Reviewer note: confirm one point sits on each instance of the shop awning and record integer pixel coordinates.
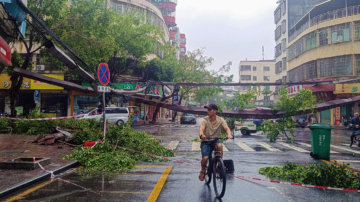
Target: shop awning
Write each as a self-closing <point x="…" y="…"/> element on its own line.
<point x="53" y="81"/>
<point x="5" y="53"/>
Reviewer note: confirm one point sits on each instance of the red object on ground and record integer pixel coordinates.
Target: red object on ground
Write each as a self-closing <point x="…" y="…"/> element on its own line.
<point x="89" y="144"/>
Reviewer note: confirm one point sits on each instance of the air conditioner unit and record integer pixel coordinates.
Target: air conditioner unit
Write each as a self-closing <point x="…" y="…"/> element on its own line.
<point x="39" y="67"/>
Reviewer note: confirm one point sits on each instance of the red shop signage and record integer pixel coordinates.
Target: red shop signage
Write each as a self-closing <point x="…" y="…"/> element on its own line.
<point x="5" y="53"/>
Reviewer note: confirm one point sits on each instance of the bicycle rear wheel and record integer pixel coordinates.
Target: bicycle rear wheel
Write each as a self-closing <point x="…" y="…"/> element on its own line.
<point x="208" y="171"/>
<point x="219" y="177"/>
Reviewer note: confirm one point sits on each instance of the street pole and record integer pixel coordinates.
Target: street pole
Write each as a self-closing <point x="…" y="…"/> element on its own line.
<point x="104" y="115"/>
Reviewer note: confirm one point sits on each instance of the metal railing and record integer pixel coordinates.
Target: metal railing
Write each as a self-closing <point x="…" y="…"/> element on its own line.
<point x="330" y="15"/>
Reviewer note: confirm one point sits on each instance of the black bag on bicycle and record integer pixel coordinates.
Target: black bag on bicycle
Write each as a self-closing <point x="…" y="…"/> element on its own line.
<point x="229" y="166"/>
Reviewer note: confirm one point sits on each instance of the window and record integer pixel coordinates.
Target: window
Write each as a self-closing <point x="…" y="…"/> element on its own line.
<point x="303" y="72"/>
<point x="283" y="7"/>
<point x="278" y="32"/>
<point x="266" y="87"/>
<point x="277" y="15"/>
<point x="117" y="7"/>
<point x="245" y="77"/>
<point x="266" y="78"/>
<point x="283" y="26"/>
<point x="323" y="37"/>
<point x="266" y="98"/>
<point x="340" y="33"/>
<point x="254" y="87"/>
<point x="266" y="68"/>
<point x="278" y="67"/>
<point x="341" y="65"/>
<point x="254" y="68"/>
<point x="254" y="78"/>
<point x="245" y="68"/>
<point x="283" y="42"/>
<point x="245" y="87"/>
<point x="357" y="30"/>
<point x="278" y="50"/>
<point x="310" y="41"/>
<point x="357" y="64"/>
<point x="284" y="63"/>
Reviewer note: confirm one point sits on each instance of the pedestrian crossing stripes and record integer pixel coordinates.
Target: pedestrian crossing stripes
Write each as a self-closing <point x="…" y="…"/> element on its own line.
<point x="293" y="147"/>
<point x="308" y="145"/>
<point x="173" y="145"/>
<point x="346" y="149"/>
<point x="244" y="146"/>
<point x="269" y="147"/>
<point x="196" y="147"/>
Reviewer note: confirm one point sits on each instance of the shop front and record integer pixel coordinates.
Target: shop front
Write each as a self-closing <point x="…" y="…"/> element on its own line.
<point x="53" y="99"/>
<point x="344" y="91"/>
<point x="23" y="100"/>
<point x="81" y="103"/>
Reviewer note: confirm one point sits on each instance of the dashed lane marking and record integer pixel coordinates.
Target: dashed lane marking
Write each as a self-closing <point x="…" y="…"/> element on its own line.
<point x="346" y="149"/>
<point x="173" y="145"/>
<point x="269" y="147"/>
<point x="195" y="146"/>
<point x="308" y="145"/>
<point x="293" y="147"/>
<point x="244" y="146"/>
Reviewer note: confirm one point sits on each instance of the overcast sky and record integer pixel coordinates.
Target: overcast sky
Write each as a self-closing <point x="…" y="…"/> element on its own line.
<point x="230" y="30"/>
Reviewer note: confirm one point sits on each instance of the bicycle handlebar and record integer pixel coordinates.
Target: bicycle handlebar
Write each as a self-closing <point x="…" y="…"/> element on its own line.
<point x="219" y="138"/>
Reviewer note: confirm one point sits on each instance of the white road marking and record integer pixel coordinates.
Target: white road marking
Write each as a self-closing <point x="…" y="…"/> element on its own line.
<point x="224" y="148"/>
<point x="308" y="145"/>
<point x="192" y="126"/>
<point x="163" y="126"/>
<point x="348" y="161"/>
<point x="196" y="146"/>
<point x="293" y="147"/>
<point x="269" y="147"/>
<point x="173" y="145"/>
<point x="244" y="146"/>
<point x="346" y="149"/>
<point x="182" y="126"/>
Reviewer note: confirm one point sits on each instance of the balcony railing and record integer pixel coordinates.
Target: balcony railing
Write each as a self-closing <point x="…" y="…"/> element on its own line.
<point x="330" y="15"/>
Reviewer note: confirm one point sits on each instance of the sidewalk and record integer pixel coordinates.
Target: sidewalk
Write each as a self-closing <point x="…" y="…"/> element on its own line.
<point x="15" y="146"/>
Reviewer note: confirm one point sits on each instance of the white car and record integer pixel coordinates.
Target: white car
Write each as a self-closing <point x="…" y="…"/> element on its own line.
<point x="115" y="115"/>
<point x="246" y="127"/>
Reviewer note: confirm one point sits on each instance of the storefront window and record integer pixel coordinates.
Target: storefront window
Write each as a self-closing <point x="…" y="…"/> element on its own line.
<point x="54" y="104"/>
<point x="83" y="104"/>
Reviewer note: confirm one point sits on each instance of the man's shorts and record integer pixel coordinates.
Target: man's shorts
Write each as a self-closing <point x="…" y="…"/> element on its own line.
<point x="206" y="147"/>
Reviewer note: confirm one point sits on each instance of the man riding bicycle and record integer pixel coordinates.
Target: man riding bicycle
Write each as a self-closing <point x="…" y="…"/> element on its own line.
<point x="355" y="123"/>
<point x="211" y="127"/>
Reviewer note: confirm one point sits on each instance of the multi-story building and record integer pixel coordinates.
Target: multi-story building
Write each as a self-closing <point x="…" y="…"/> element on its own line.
<point x="182" y="44"/>
<point x="285" y="16"/>
<point x="324" y="46"/>
<point x="261" y="71"/>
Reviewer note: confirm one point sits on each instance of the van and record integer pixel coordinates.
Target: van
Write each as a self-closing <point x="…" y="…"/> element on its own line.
<point x="115" y="115"/>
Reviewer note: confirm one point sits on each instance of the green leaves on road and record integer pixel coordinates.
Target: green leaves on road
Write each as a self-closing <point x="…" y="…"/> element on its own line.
<point x="315" y="174"/>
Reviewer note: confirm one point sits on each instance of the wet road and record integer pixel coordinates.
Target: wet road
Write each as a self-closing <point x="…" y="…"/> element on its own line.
<point x="179" y="182"/>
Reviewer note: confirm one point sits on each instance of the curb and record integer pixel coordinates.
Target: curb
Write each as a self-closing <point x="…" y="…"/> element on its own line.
<point x="36" y="179"/>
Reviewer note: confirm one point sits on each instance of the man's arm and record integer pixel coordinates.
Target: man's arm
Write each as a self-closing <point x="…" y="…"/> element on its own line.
<point x="201" y="132"/>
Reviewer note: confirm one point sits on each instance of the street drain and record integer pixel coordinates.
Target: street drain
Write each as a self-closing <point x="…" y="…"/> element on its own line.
<point x="259" y="149"/>
<point x="24" y="163"/>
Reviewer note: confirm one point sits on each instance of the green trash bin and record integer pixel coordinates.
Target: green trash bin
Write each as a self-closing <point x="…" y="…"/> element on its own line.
<point x="320" y="141"/>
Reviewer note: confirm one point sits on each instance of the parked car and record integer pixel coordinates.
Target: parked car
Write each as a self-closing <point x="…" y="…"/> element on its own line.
<point x="246" y="127"/>
<point x="188" y="118"/>
<point x="115" y="115"/>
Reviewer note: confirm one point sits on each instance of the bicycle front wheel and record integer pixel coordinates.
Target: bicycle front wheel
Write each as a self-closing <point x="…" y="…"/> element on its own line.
<point x="219" y="177"/>
<point x="208" y="171"/>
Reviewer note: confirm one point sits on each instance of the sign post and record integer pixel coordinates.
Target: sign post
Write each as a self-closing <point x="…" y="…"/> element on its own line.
<point x="103" y="74"/>
<point x="37" y="97"/>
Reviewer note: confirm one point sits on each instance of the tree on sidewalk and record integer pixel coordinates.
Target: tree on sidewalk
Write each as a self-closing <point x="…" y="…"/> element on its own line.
<point x="192" y="68"/>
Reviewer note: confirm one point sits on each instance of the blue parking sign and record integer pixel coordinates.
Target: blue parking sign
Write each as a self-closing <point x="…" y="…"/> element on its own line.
<point x="37" y="94"/>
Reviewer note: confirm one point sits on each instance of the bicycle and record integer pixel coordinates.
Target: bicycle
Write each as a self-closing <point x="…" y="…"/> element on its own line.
<point x="215" y="166"/>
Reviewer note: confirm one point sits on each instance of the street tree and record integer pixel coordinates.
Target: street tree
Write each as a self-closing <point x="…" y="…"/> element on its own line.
<point x="192" y="68"/>
<point x="303" y="100"/>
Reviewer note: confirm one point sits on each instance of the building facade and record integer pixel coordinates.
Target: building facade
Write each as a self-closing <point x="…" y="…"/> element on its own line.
<point x="323" y="46"/>
<point x="285" y="16"/>
<point x="261" y="71"/>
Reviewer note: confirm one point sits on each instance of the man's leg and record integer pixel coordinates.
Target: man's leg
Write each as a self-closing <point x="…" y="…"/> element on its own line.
<point x="220" y="149"/>
<point x="352" y="138"/>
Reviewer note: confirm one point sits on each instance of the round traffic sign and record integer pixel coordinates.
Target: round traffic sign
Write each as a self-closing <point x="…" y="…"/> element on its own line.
<point x="103" y="74"/>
